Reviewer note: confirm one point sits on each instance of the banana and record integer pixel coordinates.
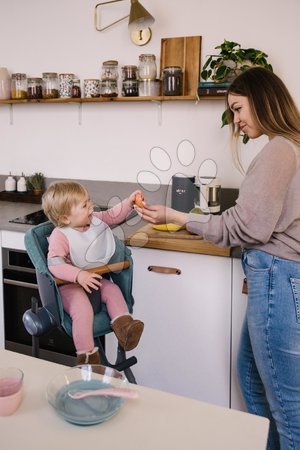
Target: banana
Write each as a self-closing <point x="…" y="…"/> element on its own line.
<point x="168" y="227"/>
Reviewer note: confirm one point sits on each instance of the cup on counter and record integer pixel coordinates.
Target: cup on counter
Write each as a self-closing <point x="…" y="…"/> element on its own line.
<point x="11" y="390"/>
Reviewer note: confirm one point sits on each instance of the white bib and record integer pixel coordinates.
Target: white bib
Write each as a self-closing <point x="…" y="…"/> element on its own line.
<point x="93" y="247"/>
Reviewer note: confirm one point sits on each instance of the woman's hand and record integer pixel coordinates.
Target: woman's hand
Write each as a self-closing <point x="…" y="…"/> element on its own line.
<point x="89" y="280"/>
<point x="161" y="214"/>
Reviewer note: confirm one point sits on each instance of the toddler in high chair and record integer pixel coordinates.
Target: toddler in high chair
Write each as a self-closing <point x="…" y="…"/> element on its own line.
<point x="82" y="239"/>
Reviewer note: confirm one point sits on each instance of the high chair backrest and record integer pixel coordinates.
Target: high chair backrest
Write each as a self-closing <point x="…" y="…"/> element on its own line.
<point x="36" y="243"/>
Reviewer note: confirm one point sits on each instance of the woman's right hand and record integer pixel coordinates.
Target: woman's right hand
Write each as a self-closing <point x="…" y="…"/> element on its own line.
<point x="89" y="280"/>
<point x="157" y="214"/>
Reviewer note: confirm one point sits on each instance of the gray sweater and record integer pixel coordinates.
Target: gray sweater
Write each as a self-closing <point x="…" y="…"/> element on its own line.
<point x="267" y="212"/>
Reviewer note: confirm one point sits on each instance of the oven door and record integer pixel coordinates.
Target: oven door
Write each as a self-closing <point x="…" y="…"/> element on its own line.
<point x="19" y="287"/>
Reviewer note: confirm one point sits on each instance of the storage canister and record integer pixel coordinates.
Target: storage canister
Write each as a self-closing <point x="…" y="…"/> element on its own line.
<point x="50" y="85"/>
<point x="18" y="86"/>
<point x="172" y="80"/>
<point x="147" y="67"/>
<point x="65" y="84"/>
<point x="91" y="88"/>
<point x="5" y="81"/>
<point x="34" y="88"/>
<point x="109" y="79"/>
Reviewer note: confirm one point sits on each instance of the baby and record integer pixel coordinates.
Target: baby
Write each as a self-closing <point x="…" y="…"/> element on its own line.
<point x="82" y="239"/>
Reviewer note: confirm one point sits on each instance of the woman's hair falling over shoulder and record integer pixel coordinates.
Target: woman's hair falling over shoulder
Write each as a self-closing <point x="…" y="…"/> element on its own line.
<point x="272" y="106"/>
<point x="59" y="198"/>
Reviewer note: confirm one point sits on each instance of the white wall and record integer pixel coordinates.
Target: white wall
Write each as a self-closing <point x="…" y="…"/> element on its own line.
<point x="114" y="140"/>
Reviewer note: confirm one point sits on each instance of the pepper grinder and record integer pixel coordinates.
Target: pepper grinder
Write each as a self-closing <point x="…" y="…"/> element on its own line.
<point x="21" y="184"/>
<point x="10" y="183"/>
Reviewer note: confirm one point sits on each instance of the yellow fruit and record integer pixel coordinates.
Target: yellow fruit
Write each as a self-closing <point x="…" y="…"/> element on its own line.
<point x="168" y="227"/>
<point x="196" y="211"/>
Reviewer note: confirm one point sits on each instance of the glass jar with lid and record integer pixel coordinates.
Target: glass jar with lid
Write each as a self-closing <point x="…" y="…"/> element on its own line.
<point x="18" y="86"/>
<point x="129" y="73"/>
<point x="65" y="84"/>
<point x="34" y="88"/>
<point x="147" y="67"/>
<point x="172" y="80"/>
<point x="109" y="79"/>
<point x="76" y="88"/>
<point x="110" y="70"/>
<point x="50" y="85"/>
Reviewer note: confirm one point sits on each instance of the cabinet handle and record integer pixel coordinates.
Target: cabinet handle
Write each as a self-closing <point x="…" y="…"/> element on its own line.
<point x="166" y="270"/>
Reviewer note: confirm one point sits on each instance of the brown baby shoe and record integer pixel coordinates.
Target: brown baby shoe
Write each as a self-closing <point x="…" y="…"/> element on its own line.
<point x="128" y="331"/>
<point x="88" y="358"/>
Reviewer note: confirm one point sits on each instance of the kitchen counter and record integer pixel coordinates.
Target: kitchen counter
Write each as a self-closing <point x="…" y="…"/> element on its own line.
<point x="181" y="241"/>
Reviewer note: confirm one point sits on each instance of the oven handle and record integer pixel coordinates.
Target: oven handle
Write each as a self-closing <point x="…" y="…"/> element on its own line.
<point x="20" y="283"/>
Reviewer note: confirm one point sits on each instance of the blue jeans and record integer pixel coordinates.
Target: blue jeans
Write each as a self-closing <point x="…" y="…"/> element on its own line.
<point x="269" y="353"/>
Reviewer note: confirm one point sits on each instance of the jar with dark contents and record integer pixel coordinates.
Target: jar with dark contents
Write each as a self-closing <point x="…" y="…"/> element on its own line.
<point x="76" y="89"/>
<point x="172" y="80"/>
<point x="34" y="88"/>
<point x="50" y="85"/>
<point x="130" y="86"/>
<point x="18" y="86"/>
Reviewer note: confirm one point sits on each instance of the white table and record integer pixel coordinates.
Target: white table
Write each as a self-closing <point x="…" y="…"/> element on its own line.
<point x="156" y="421"/>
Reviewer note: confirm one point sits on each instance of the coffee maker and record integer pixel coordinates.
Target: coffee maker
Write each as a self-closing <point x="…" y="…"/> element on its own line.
<point x="208" y="195"/>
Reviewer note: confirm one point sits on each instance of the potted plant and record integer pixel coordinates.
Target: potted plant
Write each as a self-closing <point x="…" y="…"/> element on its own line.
<point x="231" y="61"/>
<point x="36" y="182"/>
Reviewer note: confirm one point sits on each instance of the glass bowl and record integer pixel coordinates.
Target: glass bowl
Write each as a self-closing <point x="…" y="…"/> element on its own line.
<point x="90" y="410"/>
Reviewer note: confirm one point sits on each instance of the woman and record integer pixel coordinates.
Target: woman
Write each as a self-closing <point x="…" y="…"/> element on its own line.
<point x="265" y="222"/>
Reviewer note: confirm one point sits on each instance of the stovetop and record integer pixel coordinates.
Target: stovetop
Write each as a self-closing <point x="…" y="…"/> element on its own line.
<point x="31" y="219"/>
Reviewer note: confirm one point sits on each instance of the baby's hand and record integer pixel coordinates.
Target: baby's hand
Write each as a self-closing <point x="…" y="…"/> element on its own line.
<point x="137" y="199"/>
<point x="89" y="280"/>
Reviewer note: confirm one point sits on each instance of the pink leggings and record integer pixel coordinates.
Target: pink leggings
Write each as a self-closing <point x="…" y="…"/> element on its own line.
<point x="77" y="304"/>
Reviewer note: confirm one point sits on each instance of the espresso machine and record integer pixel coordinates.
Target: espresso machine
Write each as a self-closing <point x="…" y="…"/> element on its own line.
<point x="208" y="195"/>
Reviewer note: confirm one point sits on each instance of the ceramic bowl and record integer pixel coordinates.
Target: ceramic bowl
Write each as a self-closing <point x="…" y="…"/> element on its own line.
<point x="92" y="409"/>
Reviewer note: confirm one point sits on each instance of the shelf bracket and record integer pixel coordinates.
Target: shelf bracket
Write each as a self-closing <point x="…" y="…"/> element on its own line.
<point x="80" y="113"/>
<point x="11" y="114"/>
<point x="159" y="112"/>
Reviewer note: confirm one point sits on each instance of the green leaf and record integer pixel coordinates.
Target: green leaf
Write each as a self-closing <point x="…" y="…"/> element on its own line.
<point x="245" y="138"/>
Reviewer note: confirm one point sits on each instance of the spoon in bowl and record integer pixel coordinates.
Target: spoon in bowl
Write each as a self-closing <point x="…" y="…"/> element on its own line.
<point x="115" y="392"/>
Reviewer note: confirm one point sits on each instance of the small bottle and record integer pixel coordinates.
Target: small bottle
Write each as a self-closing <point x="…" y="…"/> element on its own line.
<point x="34" y="88"/>
<point x="50" y="85"/>
<point x="147" y="67"/>
<point x="18" y="86"/>
<point x="21" y="184"/>
<point x="76" y="89"/>
<point x="10" y="183"/>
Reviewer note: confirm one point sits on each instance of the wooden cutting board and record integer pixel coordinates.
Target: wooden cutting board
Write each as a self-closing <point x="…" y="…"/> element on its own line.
<point x="181" y="241"/>
<point x="184" y="52"/>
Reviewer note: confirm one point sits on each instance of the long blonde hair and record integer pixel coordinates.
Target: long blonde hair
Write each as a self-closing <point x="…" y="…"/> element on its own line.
<point x="271" y="104"/>
<point x="59" y="198"/>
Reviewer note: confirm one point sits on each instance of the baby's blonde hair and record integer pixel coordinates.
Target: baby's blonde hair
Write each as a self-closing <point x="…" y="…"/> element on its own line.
<point x="59" y="199"/>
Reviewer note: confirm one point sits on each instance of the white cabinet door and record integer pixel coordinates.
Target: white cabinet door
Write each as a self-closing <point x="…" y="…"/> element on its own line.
<point x="185" y="347"/>
<point x="239" y="304"/>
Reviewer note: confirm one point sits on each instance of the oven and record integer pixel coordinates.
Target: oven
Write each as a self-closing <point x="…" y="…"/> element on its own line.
<point x="19" y="286"/>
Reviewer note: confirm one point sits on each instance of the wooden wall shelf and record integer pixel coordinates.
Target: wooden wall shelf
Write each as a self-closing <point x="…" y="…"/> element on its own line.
<point x="111" y="99"/>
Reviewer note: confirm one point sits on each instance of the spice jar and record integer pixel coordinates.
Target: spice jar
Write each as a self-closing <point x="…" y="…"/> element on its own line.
<point x="5" y="84"/>
<point x="172" y="80"/>
<point x="34" y="88"/>
<point x="76" y="89"/>
<point x="18" y="86"/>
<point x="147" y="67"/>
<point x="50" y="85"/>
<point x="65" y="84"/>
<point x="130" y="84"/>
